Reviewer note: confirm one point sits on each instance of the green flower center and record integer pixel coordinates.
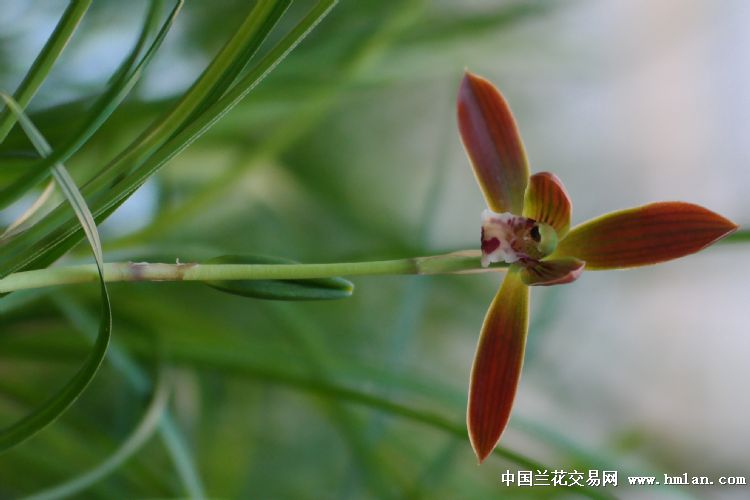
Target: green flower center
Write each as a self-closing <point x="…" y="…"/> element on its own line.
<point x="543" y="240"/>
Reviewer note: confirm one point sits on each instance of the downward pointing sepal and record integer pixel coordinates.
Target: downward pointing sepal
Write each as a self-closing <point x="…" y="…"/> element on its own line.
<point x="497" y="364"/>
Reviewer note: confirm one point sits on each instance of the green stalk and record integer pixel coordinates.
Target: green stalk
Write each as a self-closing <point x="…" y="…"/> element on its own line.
<point x="737" y="237"/>
<point x="144" y="271"/>
<point x="44" y="61"/>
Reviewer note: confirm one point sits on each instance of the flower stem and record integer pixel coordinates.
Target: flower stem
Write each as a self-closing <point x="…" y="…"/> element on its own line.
<point x="143" y="271"/>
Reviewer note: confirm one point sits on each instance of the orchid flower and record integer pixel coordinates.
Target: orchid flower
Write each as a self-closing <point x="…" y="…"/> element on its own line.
<point x="526" y="226"/>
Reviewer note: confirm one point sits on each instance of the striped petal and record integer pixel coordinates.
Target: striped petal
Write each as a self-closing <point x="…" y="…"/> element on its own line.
<point x="497" y="364"/>
<point x="547" y="201"/>
<point x="494" y="146"/>
<point x="552" y="272"/>
<point x="644" y="235"/>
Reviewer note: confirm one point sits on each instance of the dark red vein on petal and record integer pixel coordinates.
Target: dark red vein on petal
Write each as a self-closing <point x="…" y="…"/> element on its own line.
<point x="547" y="201"/>
<point x="493" y="143"/>
<point x="644" y="235"/>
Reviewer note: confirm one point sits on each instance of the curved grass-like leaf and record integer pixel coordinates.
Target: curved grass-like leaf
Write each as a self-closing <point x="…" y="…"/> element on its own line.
<point x="51" y="409"/>
<point x="493" y="143"/>
<point x="134" y="442"/>
<point x="52" y="236"/>
<point x="126" y="76"/>
<point x="552" y="272"/>
<point x="301" y="289"/>
<point x="547" y="201"/>
<point x="497" y="364"/>
<point x="27" y="216"/>
<point x="366" y="50"/>
<point x="253" y="30"/>
<point x="265" y="23"/>
<point x="139" y="380"/>
<point x="42" y="65"/>
<point x="644" y="235"/>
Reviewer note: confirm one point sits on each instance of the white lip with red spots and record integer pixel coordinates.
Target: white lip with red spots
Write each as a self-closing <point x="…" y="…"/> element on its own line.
<point x="502" y="237"/>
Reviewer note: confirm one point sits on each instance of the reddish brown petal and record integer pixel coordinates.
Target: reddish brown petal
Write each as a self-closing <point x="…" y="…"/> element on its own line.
<point x="497" y="364"/>
<point x="552" y="272"/>
<point x="547" y="201"/>
<point x="494" y="146"/>
<point x="644" y="235"/>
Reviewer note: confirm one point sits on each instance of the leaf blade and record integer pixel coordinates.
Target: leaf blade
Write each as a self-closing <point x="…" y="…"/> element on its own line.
<point x="42" y="65"/>
<point x="126" y="77"/>
<point x="52" y="408"/>
<point x="44" y="242"/>
<point x="138" y="437"/>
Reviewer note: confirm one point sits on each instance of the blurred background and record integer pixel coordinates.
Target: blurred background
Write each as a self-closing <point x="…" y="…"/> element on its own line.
<point x="349" y="151"/>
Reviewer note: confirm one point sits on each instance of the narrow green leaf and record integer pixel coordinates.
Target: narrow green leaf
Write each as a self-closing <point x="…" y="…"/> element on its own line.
<point x="300" y="289"/>
<point x="138" y="379"/>
<point x="27" y="217"/>
<point x="126" y="76"/>
<point x="45" y="60"/>
<point x="47" y="240"/>
<point x="134" y="442"/>
<point x="51" y="409"/>
<point x="251" y="31"/>
<point x="262" y="26"/>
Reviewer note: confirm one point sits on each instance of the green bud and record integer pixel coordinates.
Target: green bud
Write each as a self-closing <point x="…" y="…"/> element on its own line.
<point x="295" y="289"/>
